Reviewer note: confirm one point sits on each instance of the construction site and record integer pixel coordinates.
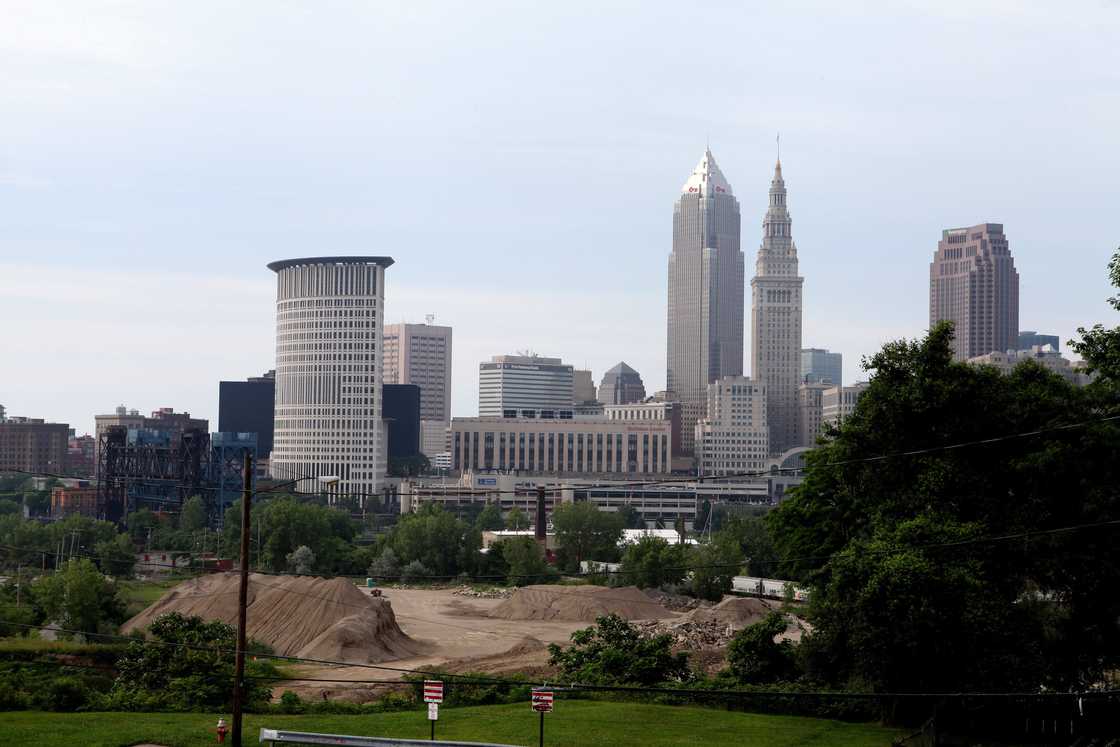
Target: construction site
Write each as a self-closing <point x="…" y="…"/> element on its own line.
<point x="454" y="629"/>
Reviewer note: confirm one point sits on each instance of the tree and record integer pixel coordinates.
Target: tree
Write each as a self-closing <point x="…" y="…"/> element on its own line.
<point x="490" y="519"/>
<point x="193" y="671"/>
<point x="652" y="562"/>
<point x="751" y="534"/>
<point x="116" y="557"/>
<point x="416" y="571"/>
<point x="526" y="561"/>
<point x="442" y="543"/>
<point x="584" y="532"/>
<point x="1100" y="347"/>
<point x="754" y="657"/>
<point x="301" y="560"/>
<point x="517" y="520"/>
<point x="614" y="652"/>
<point x="193" y="516"/>
<point x="385" y="567"/>
<point x="78" y="597"/>
<point x="903" y="596"/>
<point x="713" y="565"/>
<point x="631" y="517"/>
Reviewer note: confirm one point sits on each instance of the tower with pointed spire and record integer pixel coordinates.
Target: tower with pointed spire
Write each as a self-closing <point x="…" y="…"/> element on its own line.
<point x="776" y="319"/>
<point x="706" y="290"/>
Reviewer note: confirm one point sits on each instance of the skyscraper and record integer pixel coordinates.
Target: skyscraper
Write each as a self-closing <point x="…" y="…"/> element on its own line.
<point x="329" y="322"/>
<point x="973" y="283"/>
<point x="621" y="385"/>
<point x="421" y="354"/>
<point x="705" y="330"/>
<point x="776" y="320"/>
<point x="249" y="407"/>
<point x="820" y="365"/>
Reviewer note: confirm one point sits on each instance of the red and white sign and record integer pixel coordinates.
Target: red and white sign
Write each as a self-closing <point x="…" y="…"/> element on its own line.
<point x="433" y="691"/>
<point x="542" y="700"/>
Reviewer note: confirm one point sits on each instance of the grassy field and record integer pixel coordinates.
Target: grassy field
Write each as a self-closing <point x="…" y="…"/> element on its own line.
<point x="573" y="723"/>
<point x="139" y="594"/>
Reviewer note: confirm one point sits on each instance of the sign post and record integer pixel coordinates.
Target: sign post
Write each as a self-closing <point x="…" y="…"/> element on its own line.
<point x="542" y="704"/>
<point x="433" y="696"/>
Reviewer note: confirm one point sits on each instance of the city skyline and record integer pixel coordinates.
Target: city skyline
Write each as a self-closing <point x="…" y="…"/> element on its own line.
<point x="154" y="224"/>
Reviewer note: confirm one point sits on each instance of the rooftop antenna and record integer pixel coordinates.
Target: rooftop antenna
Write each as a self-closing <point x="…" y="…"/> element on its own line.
<point x="429" y="318"/>
<point x="778" y="140"/>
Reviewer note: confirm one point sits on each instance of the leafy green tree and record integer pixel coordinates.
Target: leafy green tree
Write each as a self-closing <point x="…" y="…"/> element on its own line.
<point x="301" y="560"/>
<point x="631" y="517"/>
<point x="193" y="516"/>
<point x="614" y="652"/>
<point x="79" y="597"/>
<point x="116" y="557"/>
<point x="517" y="520"/>
<point x="754" y="657"/>
<point x="416" y="572"/>
<point x="751" y="534"/>
<point x="442" y="543"/>
<point x="194" y="672"/>
<point x="584" y="532"/>
<point x="385" y="567"/>
<point x="652" y="562"/>
<point x="490" y="519"/>
<point x="1100" y="346"/>
<point x="903" y="597"/>
<point x="526" y="561"/>
<point x="8" y="506"/>
<point x="713" y="565"/>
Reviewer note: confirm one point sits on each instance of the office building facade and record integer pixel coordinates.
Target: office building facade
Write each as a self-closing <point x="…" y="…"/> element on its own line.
<point x="420" y="354"/>
<point x="1028" y="339"/>
<point x="509" y="384"/>
<point x="249" y="407"/>
<point x="776" y="305"/>
<point x="733" y="438"/>
<point x="583" y="387"/>
<point x="706" y="281"/>
<point x="810" y="400"/>
<point x="329" y="332"/>
<point x="400" y="409"/>
<point x="821" y="366"/>
<point x="1045" y="356"/>
<point x="621" y="385"/>
<point x="973" y="283"/>
<point x="580" y="446"/>
<point x="839" y="402"/>
<point x="33" y="445"/>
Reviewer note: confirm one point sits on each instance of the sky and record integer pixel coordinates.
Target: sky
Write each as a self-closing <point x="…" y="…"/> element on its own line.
<point x="520" y="162"/>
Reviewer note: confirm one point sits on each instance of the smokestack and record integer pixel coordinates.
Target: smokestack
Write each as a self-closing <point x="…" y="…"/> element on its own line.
<point x="541" y="520"/>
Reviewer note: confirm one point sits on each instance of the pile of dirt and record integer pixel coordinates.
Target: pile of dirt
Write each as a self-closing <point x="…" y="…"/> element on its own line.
<point x="690" y="635"/>
<point x="677" y="602"/>
<point x="738" y="612"/>
<point x="301" y="616"/>
<point x="579" y="604"/>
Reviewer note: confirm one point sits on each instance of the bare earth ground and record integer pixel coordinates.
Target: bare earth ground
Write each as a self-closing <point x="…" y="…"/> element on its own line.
<point x="455" y="634"/>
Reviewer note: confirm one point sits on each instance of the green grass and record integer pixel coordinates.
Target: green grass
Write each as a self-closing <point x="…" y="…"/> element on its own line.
<point x="573" y="723"/>
<point x="138" y="595"/>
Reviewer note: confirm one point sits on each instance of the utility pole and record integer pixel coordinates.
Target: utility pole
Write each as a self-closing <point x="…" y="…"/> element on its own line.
<point x="242" y="601"/>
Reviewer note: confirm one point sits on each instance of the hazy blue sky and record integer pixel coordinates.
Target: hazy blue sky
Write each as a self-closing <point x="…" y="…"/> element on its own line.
<point x="520" y="162"/>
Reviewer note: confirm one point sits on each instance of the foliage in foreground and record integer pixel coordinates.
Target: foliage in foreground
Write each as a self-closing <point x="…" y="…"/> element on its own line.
<point x="613" y="652"/>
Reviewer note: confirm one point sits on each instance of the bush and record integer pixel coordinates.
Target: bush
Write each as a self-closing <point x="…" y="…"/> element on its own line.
<point x="63" y="694"/>
<point x="12" y="699"/>
<point x="614" y="652"/>
<point x="290" y="703"/>
<point x="755" y="658"/>
<point x="415" y="571"/>
<point x="386" y="567"/>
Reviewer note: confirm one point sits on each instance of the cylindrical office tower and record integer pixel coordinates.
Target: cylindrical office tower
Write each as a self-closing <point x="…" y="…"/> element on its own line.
<point x="328" y="431"/>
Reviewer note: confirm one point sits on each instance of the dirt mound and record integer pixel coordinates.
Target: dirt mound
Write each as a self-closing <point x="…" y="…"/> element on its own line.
<point x="738" y="612"/>
<point x="300" y="616"/>
<point x="579" y="603"/>
<point x="529" y="657"/>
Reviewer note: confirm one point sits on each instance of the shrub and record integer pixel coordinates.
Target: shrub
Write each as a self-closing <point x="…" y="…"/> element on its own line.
<point x="754" y="656"/>
<point x="63" y="694"/>
<point x="614" y="652"/>
<point x="415" y="571"/>
<point x="290" y="703"/>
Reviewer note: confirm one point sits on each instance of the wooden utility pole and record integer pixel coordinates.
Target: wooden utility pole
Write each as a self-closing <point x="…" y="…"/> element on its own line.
<point x="242" y="602"/>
